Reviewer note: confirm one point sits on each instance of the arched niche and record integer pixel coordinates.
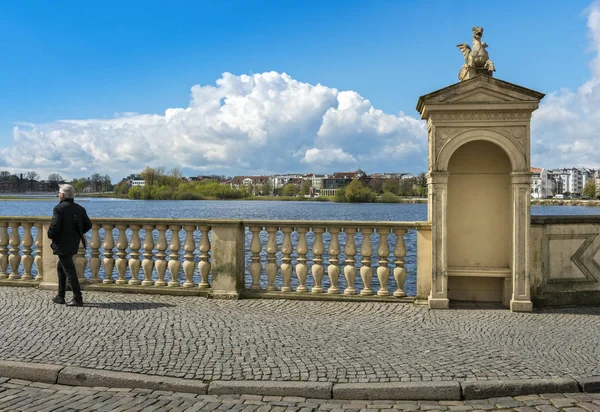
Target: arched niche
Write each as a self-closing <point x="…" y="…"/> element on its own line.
<point x="479" y="221"/>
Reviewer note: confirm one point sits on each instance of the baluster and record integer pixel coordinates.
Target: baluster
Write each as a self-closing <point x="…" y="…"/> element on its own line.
<point x="301" y="266"/>
<point x="333" y="270"/>
<point x="108" y="261"/>
<point x="148" y="262"/>
<point x="204" y="264"/>
<point x="286" y="260"/>
<point x="15" y="258"/>
<point x="366" y="271"/>
<point x="189" y="246"/>
<point x="27" y="258"/>
<point x="121" y="262"/>
<point x="350" y="261"/>
<point x="80" y="262"/>
<point x="317" y="268"/>
<point x="174" y="263"/>
<point x="39" y="252"/>
<point x="161" y="263"/>
<point x="3" y="250"/>
<point x="271" y="263"/>
<point x="134" y="253"/>
<point x="399" y="270"/>
<point x="255" y="249"/>
<point x="383" y="271"/>
<point x="95" y="253"/>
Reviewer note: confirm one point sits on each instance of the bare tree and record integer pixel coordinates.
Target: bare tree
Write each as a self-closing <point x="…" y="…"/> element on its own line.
<point x="55" y="179"/>
<point x="32" y="177"/>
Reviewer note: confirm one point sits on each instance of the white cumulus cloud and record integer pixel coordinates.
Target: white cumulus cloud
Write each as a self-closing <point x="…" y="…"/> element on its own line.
<point x="260" y="123"/>
<point x="566" y="127"/>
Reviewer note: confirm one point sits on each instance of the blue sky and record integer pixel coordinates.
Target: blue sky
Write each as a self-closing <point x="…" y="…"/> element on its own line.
<point x="107" y="86"/>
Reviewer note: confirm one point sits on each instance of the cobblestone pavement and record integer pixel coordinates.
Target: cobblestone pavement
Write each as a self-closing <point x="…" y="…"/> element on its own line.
<point x="199" y="338"/>
<point x="19" y="395"/>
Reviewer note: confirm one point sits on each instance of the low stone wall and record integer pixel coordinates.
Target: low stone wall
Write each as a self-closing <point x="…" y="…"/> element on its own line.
<point x="564" y="260"/>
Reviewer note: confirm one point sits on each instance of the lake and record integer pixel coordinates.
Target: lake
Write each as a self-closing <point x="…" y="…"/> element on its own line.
<point x="253" y="209"/>
<point x="263" y="210"/>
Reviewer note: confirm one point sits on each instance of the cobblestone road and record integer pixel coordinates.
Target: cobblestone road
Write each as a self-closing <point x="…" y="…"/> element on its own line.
<point x="191" y="337"/>
<point x="19" y="395"/>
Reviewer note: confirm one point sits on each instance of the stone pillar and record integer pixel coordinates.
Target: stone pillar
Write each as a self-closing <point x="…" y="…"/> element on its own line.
<point x="227" y="260"/>
<point x="49" y="262"/>
<point x="437" y="183"/>
<point x="520" y="188"/>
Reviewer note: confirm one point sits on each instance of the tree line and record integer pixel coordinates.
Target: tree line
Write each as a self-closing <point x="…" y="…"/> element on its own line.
<point x="171" y="185"/>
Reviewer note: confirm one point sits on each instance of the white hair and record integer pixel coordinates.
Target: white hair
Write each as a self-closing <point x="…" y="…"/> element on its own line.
<point x="68" y="191"/>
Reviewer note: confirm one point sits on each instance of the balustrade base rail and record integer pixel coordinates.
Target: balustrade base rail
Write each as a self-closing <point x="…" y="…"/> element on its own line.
<point x="250" y="294"/>
<point x="19" y="283"/>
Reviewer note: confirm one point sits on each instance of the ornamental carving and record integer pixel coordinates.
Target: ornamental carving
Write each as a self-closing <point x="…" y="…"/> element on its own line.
<point x="468" y="115"/>
<point x="445" y="132"/>
<point x="516" y="132"/>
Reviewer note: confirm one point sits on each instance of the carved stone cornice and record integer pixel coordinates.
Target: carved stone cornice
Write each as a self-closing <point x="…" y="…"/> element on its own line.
<point x="491" y="115"/>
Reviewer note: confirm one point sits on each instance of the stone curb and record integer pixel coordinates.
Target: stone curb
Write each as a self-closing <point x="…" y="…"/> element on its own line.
<point x="590" y="385"/>
<point x="37" y="372"/>
<point x="95" y="377"/>
<point x="447" y="390"/>
<point x="495" y="389"/>
<point x="444" y="391"/>
<point x="316" y="390"/>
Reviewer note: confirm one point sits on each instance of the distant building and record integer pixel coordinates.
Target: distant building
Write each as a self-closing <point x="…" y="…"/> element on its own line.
<point x="568" y="180"/>
<point x="135" y="180"/>
<point x="543" y="184"/>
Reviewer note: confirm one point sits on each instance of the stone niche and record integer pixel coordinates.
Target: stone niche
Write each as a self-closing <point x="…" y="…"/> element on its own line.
<point x="479" y="189"/>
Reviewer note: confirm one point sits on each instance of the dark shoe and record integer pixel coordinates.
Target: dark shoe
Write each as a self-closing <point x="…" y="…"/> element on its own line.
<point x="59" y="300"/>
<point x="75" y="302"/>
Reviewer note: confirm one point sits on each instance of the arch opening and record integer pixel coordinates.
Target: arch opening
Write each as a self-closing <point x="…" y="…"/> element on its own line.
<point x="479" y="221"/>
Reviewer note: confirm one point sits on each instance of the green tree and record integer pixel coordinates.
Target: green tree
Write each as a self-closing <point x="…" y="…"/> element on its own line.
<point x="340" y="195"/>
<point x="391" y="186"/>
<point x="266" y="189"/>
<point x="305" y="188"/>
<point x="357" y="192"/>
<point x="589" y="189"/>
<point x="151" y="175"/>
<point x="289" y="190"/>
<point x="79" y="184"/>
<point x="122" y="188"/>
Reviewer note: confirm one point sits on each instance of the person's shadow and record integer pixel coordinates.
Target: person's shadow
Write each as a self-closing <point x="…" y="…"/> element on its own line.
<point x="128" y="306"/>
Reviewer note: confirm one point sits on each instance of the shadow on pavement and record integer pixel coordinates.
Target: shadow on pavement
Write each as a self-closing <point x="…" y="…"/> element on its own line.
<point x="128" y="306"/>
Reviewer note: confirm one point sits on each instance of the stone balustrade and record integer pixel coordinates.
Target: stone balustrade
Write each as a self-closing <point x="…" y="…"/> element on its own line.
<point x="224" y="258"/>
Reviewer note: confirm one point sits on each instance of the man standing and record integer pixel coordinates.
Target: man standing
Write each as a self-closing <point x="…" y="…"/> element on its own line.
<point x="69" y="222"/>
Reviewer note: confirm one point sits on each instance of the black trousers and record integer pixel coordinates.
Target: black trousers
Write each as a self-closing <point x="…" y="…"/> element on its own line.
<point x="65" y="268"/>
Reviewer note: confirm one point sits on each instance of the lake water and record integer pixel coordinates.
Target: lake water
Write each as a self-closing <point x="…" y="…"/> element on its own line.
<point x="253" y="209"/>
<point x="276" y="210"/>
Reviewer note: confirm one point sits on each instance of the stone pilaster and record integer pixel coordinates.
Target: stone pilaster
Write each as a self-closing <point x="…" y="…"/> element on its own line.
<point x="520" y="187"/>
<point x="437" y="183"/>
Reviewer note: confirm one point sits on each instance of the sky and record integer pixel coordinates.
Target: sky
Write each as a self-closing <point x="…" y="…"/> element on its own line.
<point x="234" y="87"/>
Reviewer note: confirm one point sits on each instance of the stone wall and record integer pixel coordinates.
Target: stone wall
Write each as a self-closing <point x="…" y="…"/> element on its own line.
<point x="564" y="260"/>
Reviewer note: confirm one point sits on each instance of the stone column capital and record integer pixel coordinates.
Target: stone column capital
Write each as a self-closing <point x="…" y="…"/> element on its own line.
<point x="436" y="178"/>
<point x="517" y="178"/>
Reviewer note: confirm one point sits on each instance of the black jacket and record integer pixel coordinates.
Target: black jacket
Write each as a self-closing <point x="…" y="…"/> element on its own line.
<point x="69" y="222"/>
